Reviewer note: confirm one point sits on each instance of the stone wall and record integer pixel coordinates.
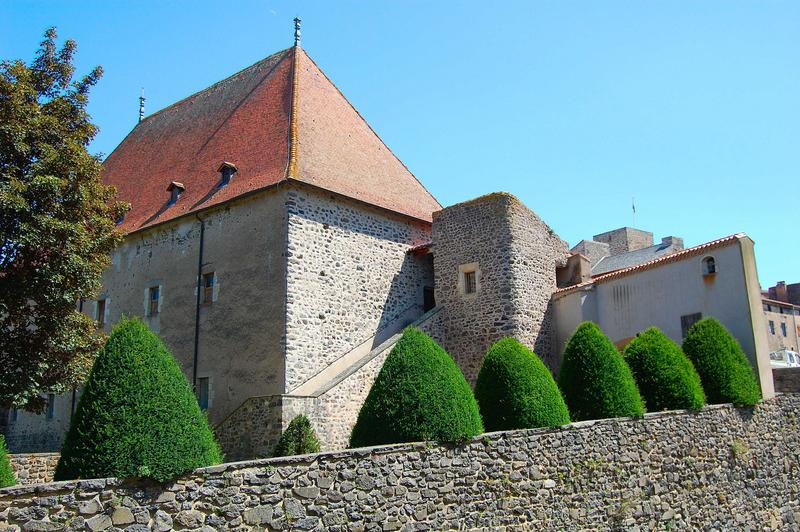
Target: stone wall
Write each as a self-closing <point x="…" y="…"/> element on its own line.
<point x="349" y="274"/>
<point x="515" y="255"/>
<point x="787" y="380"/>
<point x="34" y="468"/>
<point x="721" y="467"/>
<point x="625" y="239"/>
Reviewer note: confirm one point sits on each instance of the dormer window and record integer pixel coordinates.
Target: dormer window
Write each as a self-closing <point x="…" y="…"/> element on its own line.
<point x="226" y="171"/>
<point x="709" y="266"/>
<point x="175" y="190"/>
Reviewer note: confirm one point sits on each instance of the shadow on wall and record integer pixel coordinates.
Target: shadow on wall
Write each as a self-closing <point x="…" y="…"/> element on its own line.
<point x="545" y="345"/>
<point x="415" y="274"/>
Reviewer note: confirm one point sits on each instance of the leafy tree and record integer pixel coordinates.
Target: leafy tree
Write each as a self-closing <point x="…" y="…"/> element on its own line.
<point x="667" y="379"/>
<point x="419" y="394"/>
<point x="137" y="416"/>
<point x="298" y="438"/>
<point x="726" y="374"/>
<point x="515" y="390"/>
<point x="56" y="226"/>
<point x="6" y="473"/>
<point x="595" y="380"/>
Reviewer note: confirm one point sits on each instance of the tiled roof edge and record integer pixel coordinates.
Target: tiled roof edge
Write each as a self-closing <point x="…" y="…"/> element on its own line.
<point x="696" y="250"/>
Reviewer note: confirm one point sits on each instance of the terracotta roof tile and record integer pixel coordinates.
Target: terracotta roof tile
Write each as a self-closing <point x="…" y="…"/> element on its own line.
<point x="278" y="119"/>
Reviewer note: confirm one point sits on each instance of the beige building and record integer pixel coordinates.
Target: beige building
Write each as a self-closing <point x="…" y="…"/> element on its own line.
<point x="672" y="292"/>
<point x="782" y="325"/>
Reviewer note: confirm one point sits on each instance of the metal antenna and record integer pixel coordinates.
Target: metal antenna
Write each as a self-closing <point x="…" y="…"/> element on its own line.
<point x="296" y="31"/>
<point x="141" y="106"/>
<point x="633" y="206"/>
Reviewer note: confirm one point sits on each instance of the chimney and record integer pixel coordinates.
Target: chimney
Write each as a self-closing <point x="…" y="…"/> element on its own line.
<point x="674" y="241"/>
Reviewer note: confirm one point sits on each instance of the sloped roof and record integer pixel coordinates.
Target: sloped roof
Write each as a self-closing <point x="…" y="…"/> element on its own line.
<point x="664" y="259"/>
<point x="611" y="263"/>
<point x="277" y="120"/>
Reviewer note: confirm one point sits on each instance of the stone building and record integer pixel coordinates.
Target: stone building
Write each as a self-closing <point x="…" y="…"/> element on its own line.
<point x="279" y="248"/>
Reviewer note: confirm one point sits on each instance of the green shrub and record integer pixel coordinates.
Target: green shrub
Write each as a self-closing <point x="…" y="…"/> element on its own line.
<point x="667" y="379"/>
<point x="595" y="380"/>
<point x="726" y="374"/>
<point x="419" y="394"/>
<point x="298" y="438"/>
<point x="515" y="390"/>
<point x="137" y="416"/>
<point x="6" y="473"/>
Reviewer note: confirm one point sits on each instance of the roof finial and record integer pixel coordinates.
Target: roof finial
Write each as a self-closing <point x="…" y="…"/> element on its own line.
<point x="296" y="31"/>
<point x="141" y="106"/>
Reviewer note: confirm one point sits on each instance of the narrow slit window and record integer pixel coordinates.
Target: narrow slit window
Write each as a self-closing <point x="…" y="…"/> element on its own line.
<point x="51" y="405"/>
<point x="771" y="327"/>
<point x="202" y="392"/>
<point x="154" y="300"/>
<point x="100" y="316"/>
<point x="209" y="280"/>
<point x="783" y="329"/>
<point x="470" y="286"/>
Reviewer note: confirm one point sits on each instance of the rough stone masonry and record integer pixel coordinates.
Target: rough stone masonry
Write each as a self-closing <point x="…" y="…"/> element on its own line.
<point x="722" y="468"/>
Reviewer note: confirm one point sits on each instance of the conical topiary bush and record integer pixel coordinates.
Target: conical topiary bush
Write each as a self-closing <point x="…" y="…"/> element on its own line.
<point x="137" y="416"/>
<point x="298" y="438"/>
<point x="515" y="390"/>
<point x="7" y="477"/>
<point x="419" y="394"/>
<point x="724" y="370"/>
<point x="667" y="379"/>
<point x="595" y="380"/>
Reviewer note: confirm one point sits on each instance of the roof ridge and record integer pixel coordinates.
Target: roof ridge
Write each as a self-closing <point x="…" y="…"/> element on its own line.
<point x="291" y="164"/>
<point x="353" y="107"/>
<point x="654" y="262"/>
<point x="212" y="86"/>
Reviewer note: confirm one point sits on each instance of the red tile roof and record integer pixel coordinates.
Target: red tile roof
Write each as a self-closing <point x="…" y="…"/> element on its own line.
<point x="277" y="120"/>
<point x="664" y="259"/>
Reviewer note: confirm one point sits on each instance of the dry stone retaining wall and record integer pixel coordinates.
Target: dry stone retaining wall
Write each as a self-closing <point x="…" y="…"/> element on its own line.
<point x="722" y="467"/>
<point x="34" y="468"/>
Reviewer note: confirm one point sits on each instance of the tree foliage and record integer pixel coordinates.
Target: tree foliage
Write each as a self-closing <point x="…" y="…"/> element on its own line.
<point x="595" y="380"/>
<point x="666" y="378"/>
<point x="298" y="438"/>
<point x="726" y="374"/>
<point x="137" y="416"/>
<point x="56" y="225"/>
<point x="7" y="477"/>
<point x="419" y="394"/>
<point x="515" y="390"/>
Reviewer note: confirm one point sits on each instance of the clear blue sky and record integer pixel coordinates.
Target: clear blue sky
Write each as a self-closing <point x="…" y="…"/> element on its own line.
<point x="693" y="108"/>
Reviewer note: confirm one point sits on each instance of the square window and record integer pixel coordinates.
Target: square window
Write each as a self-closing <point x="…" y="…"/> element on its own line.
<point x="209" y="280"/>
<point x="202" y="392"/>
<point x="470" y="286"/>
<point x="154" y="300"/>
<point x="100" y="313"/>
